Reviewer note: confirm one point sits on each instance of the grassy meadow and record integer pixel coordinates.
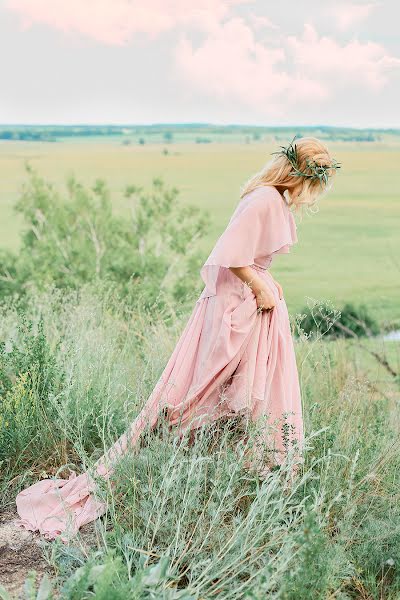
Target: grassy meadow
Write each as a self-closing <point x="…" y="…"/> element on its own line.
<point x="186" y="519"/>
<point x="190" y="521"/>
<point x="347" y="252"/>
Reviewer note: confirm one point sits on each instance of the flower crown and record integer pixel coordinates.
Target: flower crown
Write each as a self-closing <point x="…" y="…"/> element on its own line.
<point x="315" y="171"/>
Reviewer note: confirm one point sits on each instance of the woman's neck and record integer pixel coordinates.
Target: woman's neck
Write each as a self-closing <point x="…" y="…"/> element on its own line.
<point x="281" y="191"/>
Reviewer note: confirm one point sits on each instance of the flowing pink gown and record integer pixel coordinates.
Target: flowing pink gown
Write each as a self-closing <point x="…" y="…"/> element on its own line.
<point x="230" y="359"/>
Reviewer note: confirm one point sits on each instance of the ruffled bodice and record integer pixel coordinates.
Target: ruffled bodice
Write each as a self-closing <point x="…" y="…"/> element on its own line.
<point x="261" y="226"/>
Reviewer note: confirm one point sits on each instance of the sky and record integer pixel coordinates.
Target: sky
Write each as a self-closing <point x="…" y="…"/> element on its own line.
<point x="256" y="62"/>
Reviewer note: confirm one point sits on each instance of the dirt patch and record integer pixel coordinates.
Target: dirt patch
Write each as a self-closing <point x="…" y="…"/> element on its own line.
<point x="20" y="553"/>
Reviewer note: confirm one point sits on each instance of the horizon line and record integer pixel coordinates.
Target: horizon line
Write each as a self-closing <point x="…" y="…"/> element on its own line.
<point x="195" y="123"/>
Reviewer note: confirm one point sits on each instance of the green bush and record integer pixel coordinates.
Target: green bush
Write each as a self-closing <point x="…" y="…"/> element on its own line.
<point x="150" y="259"/>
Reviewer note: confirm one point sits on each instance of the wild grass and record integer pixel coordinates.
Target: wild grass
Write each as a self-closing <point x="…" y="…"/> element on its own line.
<point x="185" y="518"/>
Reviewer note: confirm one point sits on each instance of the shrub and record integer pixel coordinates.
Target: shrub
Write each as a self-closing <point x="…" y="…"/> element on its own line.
<point x="149" y="259"/>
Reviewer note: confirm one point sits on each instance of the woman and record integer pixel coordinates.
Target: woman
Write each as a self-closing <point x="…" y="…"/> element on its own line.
<point x="235" y="355"/>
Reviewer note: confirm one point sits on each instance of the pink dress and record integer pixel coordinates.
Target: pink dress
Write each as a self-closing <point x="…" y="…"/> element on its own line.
<point x="230" y="359"/>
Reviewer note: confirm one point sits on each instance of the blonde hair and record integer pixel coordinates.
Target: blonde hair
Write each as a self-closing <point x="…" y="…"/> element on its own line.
<point x="277" y="172"/>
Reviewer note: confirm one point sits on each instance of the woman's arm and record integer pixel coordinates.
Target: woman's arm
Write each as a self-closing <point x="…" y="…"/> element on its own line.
<point x="264" y="296"/>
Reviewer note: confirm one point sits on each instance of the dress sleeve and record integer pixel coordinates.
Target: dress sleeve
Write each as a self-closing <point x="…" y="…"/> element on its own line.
<point x="260" y="226"/>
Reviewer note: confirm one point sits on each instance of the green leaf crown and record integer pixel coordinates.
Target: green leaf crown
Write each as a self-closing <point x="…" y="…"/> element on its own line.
<point x="313" y="169"/>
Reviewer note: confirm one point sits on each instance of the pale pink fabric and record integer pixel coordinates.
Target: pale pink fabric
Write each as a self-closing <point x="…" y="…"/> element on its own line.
<point x="229" y="359"/>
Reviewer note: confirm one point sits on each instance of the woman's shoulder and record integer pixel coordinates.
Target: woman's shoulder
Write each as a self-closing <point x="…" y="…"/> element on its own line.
<point x="265" y="197"/>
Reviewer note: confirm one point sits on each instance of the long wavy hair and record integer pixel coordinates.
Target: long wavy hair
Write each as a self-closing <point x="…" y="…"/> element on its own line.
<point x="300" y="190"/>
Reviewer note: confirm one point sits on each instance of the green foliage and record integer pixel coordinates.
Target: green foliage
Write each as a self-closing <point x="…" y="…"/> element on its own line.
<point x="98" y="580"/>
<point x="67" y="242"/>
<point x="29" y="375"/>
<point x="44" y="590"/>
<point x="186" y="520"/>
<point x="349" y="321"/>
<point x="104" y="576"/>
<point x="308" y="576"/>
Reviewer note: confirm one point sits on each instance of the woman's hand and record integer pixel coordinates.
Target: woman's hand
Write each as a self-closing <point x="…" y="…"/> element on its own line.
<point x="264" y="296"/>
<point x="262" y="292"/>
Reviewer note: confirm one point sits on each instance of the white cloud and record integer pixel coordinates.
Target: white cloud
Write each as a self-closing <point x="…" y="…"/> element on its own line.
<point x="364" y="63"/>
<point x="115" y="22"/>
<point x="272" y="76"/>
<point x="230" y="64"/>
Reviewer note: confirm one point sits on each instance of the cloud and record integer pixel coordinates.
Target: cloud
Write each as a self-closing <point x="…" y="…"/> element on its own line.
<point x="349" y="14"/>
<point x="279" y="72"/>
<point x="115" y="22"/>
<point x="224" y="53"/>
<point x="230" y="64"/>
<point x="365" y="63"/>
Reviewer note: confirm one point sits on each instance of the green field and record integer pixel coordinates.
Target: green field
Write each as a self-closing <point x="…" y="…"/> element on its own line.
<point x="348" y="251"/>
<point x="188" y="519"/>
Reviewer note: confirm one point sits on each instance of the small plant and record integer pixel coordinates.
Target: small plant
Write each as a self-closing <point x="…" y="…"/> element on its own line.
<point x="351" y="321"/>
<point x="308" y="575"/>
<point x="28" y="376"/>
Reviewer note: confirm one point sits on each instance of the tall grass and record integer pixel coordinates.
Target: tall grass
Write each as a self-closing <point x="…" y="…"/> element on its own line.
<point x="186" y="519"/>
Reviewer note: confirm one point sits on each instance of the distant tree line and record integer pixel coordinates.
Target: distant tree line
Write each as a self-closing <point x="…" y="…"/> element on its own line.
<point x="199" y="132"/>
